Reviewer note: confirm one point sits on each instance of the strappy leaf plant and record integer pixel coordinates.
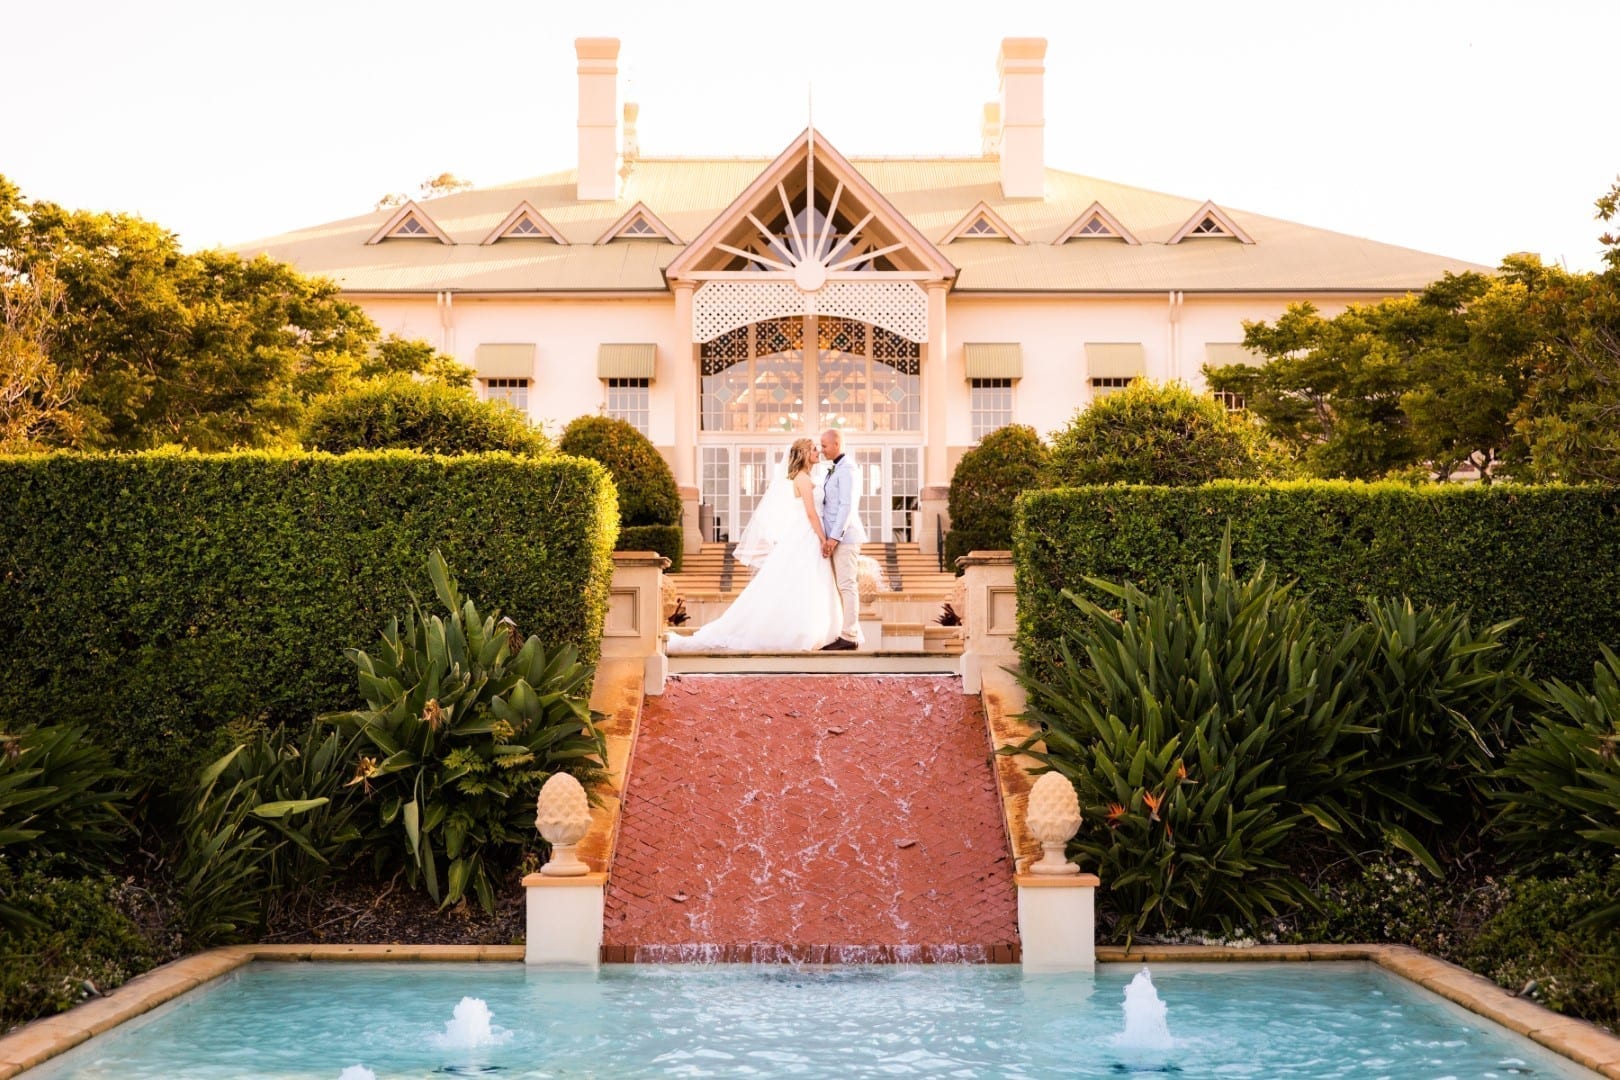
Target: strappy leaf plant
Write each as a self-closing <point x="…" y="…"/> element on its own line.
<point x="465" y="720"/>
<point x="1559" y="793"/>
<point x="1442" y="702"/>
<point x="1202" y="728"/>
<point x="263" y="825"/>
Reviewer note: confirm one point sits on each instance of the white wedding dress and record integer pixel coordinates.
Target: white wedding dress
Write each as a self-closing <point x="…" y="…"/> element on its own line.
<point x="792" y="604"/>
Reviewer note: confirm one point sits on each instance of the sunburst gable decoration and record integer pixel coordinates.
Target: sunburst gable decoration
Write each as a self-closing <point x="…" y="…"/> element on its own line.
<point x="410" y="222"/>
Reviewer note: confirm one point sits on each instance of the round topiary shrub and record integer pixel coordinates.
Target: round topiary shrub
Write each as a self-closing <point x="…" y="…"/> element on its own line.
<point x="400" y="413"/>
<point x="989" y="477"/>
<point x="649" y="501"/>
<point x="1160" y="433"/>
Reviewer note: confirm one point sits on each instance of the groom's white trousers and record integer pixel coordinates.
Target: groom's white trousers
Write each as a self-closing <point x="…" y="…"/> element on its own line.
<point x="844" y="558"/>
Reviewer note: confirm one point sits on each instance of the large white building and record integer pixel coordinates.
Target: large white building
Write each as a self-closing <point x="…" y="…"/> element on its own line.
<point x="726" y="307"/>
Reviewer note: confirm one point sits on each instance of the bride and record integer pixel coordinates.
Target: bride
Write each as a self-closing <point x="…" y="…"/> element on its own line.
<point x="792" y="603"/>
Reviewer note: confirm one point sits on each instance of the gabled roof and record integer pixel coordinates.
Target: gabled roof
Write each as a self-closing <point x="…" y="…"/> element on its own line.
<point x="931" y="195"/>
<point x="810" y="163"/>
<point x="981" y="223"/>
<point x="409" y="222"/>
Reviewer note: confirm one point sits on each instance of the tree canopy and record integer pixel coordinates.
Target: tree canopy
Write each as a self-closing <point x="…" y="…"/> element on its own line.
<point x="1159" y="433"/>
<point x="143" y="344"/>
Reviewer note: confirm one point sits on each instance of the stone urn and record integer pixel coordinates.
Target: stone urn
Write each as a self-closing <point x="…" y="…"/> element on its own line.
<point x="563" y="815"/>
<point x="1053" y="817"/>
<point x="868" y="579"/>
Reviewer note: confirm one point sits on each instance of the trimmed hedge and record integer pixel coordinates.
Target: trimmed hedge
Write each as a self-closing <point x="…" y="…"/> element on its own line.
<point x="667" y="540"/>
<point x="400" y="413"/>
<point x="1547" y="555"/>
<point x="158" y="596"/>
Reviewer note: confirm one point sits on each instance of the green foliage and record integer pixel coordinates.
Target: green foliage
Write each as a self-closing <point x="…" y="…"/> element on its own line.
<point x="266" y="824"/>
<point x="1569" y="418"/>
<point x="73" y="943"/>
<point x="167" y="594"/>
<point x="647" y="491"/>
<point x="240" y="845"/>
<point x="61" y="798"/>
<point x="1559" y="792"/>
<point x="1202" y="729"/>
<point x="1546" y="942"/>
<point x="207" y="350"/>
<point x="1389" y="900"/>
<point x="1159" y="433"/>
<point x="1511" y="373"/>
<point x="1549" y="557"/>
<point x="1007" y="462"/>
<point x="1438" y="705"/>
<point x="467" y="720"/>
<point x="668" y="540"/>
<point x="400" y="412"/>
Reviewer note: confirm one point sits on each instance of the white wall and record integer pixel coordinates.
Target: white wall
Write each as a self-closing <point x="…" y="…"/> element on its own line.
<point x="566" y="334"/>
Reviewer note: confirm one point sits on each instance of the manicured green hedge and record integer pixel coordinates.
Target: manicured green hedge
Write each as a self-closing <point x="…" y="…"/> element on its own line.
<point x="1548" y="555"/>
<point x="157" y="596"/>
<point x="667" y="540"/>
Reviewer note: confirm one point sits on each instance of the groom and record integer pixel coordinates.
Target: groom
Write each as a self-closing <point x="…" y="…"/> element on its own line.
<point x="840" y="494"/>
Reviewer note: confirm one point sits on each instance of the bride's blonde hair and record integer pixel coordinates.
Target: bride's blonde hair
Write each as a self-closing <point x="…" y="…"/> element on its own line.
<point x="799" y="457"/>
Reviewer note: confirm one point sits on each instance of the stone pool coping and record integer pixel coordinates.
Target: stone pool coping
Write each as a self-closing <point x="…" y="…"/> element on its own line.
<point x="1577" y="1040"/>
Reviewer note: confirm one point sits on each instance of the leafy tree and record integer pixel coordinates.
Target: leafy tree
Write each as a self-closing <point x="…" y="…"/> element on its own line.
<point x="1159" y="433"/>
<point x="207" y="350"/>
<point x="987" y="481"/>
<point x="35" y="395"/>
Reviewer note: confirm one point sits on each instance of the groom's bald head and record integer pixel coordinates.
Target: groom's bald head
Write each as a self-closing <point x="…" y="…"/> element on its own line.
<point x="832" y="443"/>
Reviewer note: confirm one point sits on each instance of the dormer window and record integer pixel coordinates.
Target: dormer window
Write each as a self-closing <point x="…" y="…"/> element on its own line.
<point x="409" y="222"/>
<point x="983" y="223"/>
<point x="1211" y="221"/>
<point x="1095" y="223"/>
<point x="638" y="223"/>
<point x="524" y="223"/>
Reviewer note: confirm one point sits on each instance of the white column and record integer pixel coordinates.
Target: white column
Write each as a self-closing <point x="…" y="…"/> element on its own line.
<point x="683" y="379"/>
<point x="936" y="378"/>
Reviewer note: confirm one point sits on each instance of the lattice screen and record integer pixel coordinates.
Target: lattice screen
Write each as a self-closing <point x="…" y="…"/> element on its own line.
<point x="898" y="306"/>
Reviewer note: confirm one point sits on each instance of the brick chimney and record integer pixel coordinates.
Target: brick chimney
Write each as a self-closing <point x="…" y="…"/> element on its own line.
<point x="1022" y="67"/>
<point x="599" y="118"/>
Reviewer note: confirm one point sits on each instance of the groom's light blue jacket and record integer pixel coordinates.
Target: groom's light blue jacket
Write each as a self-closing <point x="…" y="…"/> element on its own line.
<point x="836" y="493"/>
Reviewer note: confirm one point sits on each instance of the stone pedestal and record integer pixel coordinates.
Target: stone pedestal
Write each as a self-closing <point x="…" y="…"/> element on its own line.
<point x="871" y="630"/>
<point x="1057" y="921"/>
<point x="933" y="516"/>
<point x="691" y="520"/>
<point x="564" y="920"/>
<point x="634" y="622"/>
<point x="991" y="619"/>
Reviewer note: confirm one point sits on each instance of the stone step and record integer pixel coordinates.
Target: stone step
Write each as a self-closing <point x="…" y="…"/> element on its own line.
<point x="815" y="663"/>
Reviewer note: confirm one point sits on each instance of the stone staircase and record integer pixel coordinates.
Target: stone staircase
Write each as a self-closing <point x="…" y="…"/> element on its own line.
<point x="911" y="597"/>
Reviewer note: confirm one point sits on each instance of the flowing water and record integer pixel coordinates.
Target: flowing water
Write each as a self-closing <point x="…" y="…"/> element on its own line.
<point x="396" y="1021"/>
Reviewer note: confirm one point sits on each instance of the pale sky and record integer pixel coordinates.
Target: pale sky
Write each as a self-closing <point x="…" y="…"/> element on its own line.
<point x="1467" y="128"/>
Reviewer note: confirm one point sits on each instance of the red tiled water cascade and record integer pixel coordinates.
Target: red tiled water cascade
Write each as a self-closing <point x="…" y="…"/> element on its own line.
<point x="820" y="818"/>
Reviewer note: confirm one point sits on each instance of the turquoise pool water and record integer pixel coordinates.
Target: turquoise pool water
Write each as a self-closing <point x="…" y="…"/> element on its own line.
<point x="297" y="1021"/>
